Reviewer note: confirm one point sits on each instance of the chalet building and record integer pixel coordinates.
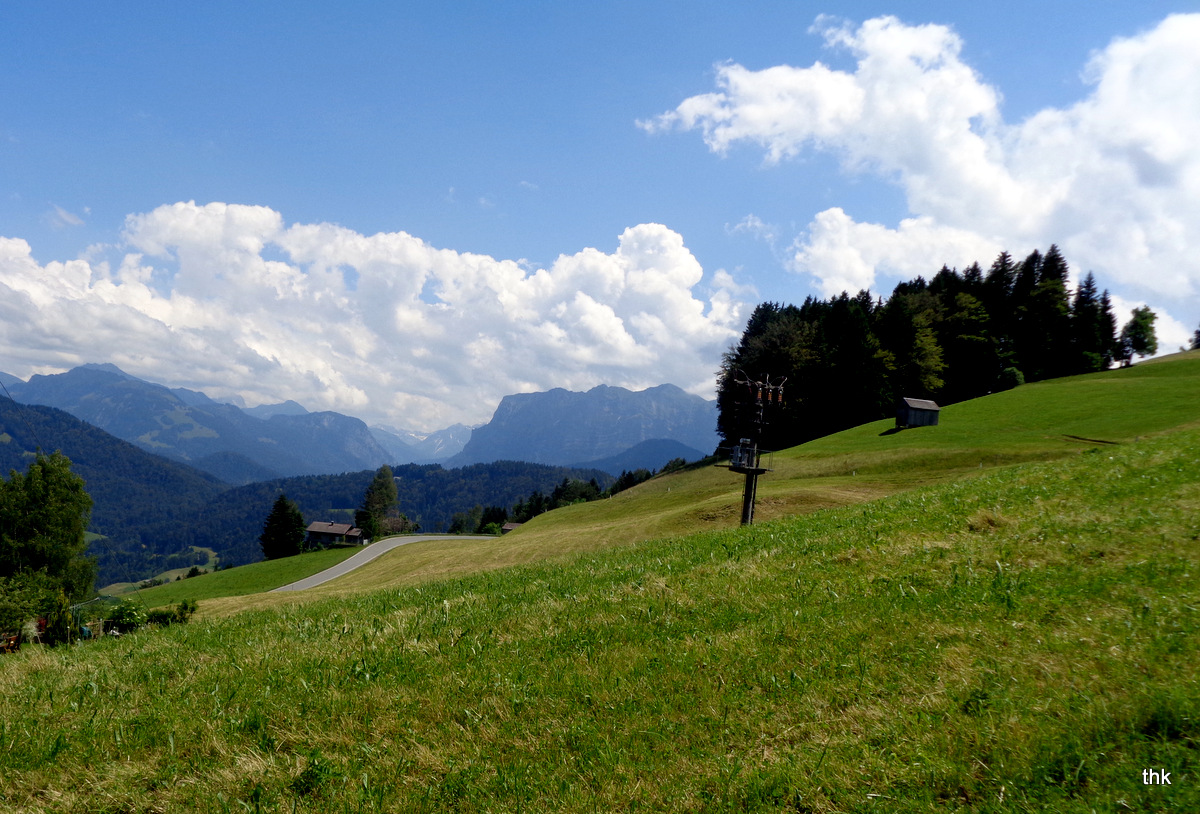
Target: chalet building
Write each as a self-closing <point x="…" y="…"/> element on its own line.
<point x="916" y="413"/>
<point x="507" y="527"/>
<point x="324" y="535"/>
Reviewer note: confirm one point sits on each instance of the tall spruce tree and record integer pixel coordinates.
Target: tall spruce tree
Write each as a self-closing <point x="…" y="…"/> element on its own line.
<point x="283" y="530"/>
<point x="1091" y="330"/>
<point x="379" y="501"/>
<point x="1049" y="326"/>
<point x="855" y="381"/>
<point x="1108" y="324"/>
<point x="972" y="360"/>
<point x="997" y="296"/>
<point x="1024" y="329"/>
<point x="778" y="341"/>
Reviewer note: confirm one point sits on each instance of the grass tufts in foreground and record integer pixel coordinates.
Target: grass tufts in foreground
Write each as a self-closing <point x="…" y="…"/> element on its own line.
<point x="1022" y="641"/>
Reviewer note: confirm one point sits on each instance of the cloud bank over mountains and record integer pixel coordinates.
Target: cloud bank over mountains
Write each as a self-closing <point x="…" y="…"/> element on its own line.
<point x="231" y="300"/>
<point x="226" y="298"/>
<point x="1113" y="179"/>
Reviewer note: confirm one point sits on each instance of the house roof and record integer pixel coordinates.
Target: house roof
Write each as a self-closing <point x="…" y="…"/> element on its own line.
<point x="331" y="528"/>
<point x="921" y="404"/>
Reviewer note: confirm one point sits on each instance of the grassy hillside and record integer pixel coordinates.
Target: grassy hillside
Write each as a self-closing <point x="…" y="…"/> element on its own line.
<point x="1026" y="640"/>
<point x="247" y="579"/>
<point x="1036" y="422"/>
<point x="1042" y="421"/>
<point x="1039" y="421"/>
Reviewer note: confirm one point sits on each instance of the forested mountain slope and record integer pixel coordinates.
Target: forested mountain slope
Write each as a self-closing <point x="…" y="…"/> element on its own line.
<point x="140" y="501"/>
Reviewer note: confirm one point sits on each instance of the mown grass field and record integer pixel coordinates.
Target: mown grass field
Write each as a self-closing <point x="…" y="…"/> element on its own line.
<point x="1022" y="640"/>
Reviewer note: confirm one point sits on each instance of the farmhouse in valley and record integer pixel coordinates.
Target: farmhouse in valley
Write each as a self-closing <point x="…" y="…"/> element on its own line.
<point x="323" y="534"/>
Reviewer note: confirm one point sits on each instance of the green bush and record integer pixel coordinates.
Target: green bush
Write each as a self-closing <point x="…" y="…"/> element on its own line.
<point x="184" y="610"/>
<point x="20" y="599"/>
<point x="1010" y="377"/>
<point x="59" y="622"/>
<point x="160" y="616"/>
<point x="180" y="614"/>
<point x="126" y="616"/>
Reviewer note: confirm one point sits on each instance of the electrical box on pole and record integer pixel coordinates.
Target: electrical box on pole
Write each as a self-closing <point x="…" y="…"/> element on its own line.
<point x="746" y="457"/>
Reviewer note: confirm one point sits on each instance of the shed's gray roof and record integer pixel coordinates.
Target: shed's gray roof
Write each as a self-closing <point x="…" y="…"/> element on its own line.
<point x="921" y="404"/>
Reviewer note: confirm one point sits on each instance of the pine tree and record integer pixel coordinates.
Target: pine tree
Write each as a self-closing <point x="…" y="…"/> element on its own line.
<point x="379" y="502"/>
<point x="1091" y="330"/>
<point x="998" y="282"/>
<point x="1108" y="328"/>
<point x="1050" y="320"/>
<point x="283" y="531"/>
<point x="855" y="379"/>
<point x="1196" y="340"/>
<point x="996" y="298"/>
<point x="972" y="363"/>
<point x="1023" y="325"/>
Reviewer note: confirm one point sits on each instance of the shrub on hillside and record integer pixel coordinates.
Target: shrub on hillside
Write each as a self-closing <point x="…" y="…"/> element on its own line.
<point x="126" y="617"/>
<point x="179" y="614"/>
<point x="1010" y="377"/>
<point x="160" y="617"/>
<point x="59" y="622"/>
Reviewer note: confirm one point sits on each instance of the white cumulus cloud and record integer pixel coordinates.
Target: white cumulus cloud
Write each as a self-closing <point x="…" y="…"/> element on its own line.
<point x="1114" y="179"/>
<point x="228" y="299"/>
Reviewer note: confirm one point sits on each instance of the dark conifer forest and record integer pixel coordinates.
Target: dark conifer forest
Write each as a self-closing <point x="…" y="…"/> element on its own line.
<point x="849" y="359"/>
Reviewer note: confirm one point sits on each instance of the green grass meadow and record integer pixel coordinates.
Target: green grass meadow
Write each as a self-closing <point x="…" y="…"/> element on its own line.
<point x="1021" y="640"/>
<point x="244" y="580"/>
<point x="1035" y="422"/>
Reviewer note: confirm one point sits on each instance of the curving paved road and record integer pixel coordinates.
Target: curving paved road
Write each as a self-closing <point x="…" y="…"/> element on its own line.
<point x="369" y="553"/>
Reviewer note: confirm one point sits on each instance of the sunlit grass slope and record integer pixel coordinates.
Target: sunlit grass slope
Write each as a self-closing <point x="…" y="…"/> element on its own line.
<point x="1025" y="640"/>
<point x="1041" y="421"/>
<point x="246" y="579"/>
<point x="1038" y="421"/>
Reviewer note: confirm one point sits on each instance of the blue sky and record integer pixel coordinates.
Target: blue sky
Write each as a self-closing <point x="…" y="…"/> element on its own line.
<point x="406" y="211"/>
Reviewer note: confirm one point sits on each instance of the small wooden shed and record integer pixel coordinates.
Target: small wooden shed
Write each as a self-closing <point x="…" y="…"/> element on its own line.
<point x="917" y="413"/>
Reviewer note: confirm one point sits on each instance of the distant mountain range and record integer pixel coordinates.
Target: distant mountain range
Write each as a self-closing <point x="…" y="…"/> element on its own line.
<point x="151" y="510"/>
<point x="183" y="425"/>
<point x="607" y="428"/>
<point x="563" y="428"/>
<point x="411" y="447"/>
<point x="651" y="455"/>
